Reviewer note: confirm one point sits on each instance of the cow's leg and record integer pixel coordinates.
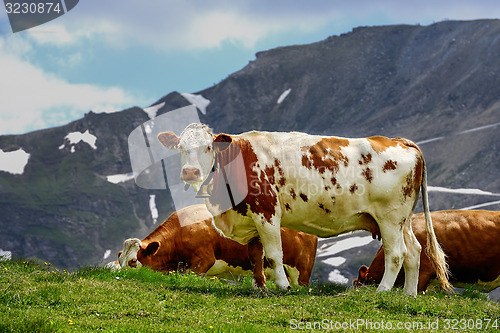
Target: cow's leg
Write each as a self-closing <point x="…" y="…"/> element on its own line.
<point x="394" y="251"/>
<point x="425" y="275"/>
<point x="200" y="264"/>
<point x="270" y="236"/>
<point x="296" y="276"/>
<point x="256" y="255"/>
<point x="411" y="262"/>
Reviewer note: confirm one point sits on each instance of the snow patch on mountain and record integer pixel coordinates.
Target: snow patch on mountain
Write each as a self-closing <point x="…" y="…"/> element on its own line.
<point x="198" y="100"/>
<point x="336" y="277"/>
<point x="335" y="261"/>
<point x="343" y="245"/>
<point x="473" y="191"/>
<point x="120" y="178"/>
<point x="5" y="255"/>
<point x="76" y="137"/>
<point x="471" y="130"/>
<point x="152" y="207"/>
<point x="491" y="203"/>
<point x="152" y="111"/>
<point x="14" y="162"/>
<point x="106" y="255"/>
<point x="283" y="96"/>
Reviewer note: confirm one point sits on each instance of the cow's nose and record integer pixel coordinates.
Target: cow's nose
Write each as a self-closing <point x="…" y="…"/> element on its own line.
<point x="132" y="263"/>
<point x="190" y="174"/>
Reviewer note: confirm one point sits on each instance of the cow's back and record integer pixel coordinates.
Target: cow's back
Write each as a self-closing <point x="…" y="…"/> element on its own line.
<point x="319" y="184"/>
<point x="470" y="239"/>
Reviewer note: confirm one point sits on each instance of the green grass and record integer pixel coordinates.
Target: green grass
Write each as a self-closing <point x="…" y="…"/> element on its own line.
<point x="39" y="298"/>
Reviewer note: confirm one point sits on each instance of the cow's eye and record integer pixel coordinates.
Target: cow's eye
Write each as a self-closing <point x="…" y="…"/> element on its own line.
<point x="209" y="149"/>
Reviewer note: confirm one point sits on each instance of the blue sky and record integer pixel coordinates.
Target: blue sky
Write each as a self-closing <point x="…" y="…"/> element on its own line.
<point x="109" y="55"/>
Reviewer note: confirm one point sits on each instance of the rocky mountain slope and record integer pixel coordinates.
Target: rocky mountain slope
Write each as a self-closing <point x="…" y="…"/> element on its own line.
<point x="438" y="85"/>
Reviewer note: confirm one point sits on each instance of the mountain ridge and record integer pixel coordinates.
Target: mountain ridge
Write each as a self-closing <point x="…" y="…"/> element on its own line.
<point x="419" y="82"/>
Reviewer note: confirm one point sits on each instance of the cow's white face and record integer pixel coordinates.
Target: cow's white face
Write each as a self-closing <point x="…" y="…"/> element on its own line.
<point x="129" y="255"/>
<point x="195" y="146"/>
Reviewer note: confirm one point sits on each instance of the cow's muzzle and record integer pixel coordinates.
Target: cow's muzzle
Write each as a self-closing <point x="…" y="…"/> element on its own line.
<point x="191" y="175"/>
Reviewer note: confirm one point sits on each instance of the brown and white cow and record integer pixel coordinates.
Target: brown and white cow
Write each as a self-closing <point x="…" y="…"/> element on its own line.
<point x="470" y="239"/>
<point x="321" y="185"/>
<point x="188" y="239"/>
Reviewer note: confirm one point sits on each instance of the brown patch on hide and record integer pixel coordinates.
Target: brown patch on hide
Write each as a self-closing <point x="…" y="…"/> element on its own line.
<point x="325" y="155"/>
<point x="368" y="174"/>
<point x="389" y="165"/>
<point x="365" y="159"/>
<point x="261" y="197"/>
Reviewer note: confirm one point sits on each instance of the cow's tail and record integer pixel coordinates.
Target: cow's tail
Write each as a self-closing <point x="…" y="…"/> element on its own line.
<point x="434" y="251"/>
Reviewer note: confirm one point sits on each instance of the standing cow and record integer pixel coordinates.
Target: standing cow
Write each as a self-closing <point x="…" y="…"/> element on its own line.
<point x="470" y="239"/>
<point x="188" y="239"/>
<point x="321" y="185"/>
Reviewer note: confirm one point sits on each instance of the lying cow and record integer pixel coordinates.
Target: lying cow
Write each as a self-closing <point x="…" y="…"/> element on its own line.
<point x="258" y="182"/>
<point x="197" y="245"/>
<point x="470" y="239"/>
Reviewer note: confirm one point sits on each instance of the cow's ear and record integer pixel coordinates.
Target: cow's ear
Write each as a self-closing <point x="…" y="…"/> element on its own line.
<point x="169" y="140"/>
<point x="222" y="142"/>
<point x="119" y="254"/>
<point x="151" y="249"/>
<point x="363" y="273"/>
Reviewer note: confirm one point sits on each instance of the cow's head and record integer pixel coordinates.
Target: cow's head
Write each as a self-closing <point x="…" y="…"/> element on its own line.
<point x="135" y="254"/>
<point x="198" y="147"/>
<point x="363" y="277"/>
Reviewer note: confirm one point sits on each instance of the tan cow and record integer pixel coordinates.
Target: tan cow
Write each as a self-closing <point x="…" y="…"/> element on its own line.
<point x="471" y="241"/>
<point x="260" y="181"/>
<point x="197" y="245"/>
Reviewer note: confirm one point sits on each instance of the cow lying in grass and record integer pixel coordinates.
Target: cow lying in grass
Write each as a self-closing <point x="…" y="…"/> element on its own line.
<point x="470" y="239"/>
<point x="187" y="239"/>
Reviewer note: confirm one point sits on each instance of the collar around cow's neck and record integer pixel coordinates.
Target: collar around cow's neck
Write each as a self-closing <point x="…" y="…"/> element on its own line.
<point x="204" y="192"/>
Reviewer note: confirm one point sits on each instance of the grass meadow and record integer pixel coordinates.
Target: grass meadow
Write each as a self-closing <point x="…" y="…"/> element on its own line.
<point x="36" y="297"/>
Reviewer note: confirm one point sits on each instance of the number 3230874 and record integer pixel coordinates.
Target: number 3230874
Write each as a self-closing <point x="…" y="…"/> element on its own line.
<point x="33" y="8"/>
<point x="471" y="324"/>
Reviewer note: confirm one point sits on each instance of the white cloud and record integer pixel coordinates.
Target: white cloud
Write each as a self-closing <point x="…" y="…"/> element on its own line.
<point x="194" y="25"/>
<point x="174" y="25"/>
<point x="239" y="27"/>
<point x="56" y="34"/>
<point x="33" y="98"/>
<point x="14" y="46"/>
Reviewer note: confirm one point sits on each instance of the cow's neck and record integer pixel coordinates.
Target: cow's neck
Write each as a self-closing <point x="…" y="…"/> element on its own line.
<point x="227" y="178"/>
<point x="205" y="187"/>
